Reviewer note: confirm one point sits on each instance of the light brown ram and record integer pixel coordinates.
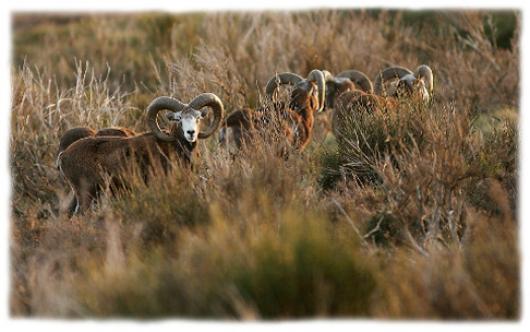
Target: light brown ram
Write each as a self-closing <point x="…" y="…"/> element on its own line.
<point x="354" y="82"/>
<point x="306" y="98"/>
<point x="86" y="163"/>
<point x="418" y="85"/>
<point x="404" y="85"/>
<point x="349" y="80"/>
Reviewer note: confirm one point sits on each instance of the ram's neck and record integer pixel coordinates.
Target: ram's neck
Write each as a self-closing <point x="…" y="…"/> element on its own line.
<point x="180" y="150"/>
<point x="304" y="120"/>
<point x="307" y="114"/>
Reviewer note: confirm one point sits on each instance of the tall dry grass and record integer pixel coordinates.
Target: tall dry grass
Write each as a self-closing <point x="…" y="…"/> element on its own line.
<point x="408" y="214"/>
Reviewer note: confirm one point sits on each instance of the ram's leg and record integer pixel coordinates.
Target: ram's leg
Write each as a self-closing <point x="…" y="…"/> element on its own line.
<point x="72" y="207"/>
<point x="85" y="196"/>
<point x="237" y="135"/>
<point x="83" y="203"/>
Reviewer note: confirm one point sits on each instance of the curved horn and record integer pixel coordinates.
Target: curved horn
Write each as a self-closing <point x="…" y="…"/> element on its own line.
<point x="279" y="79"/>
<point x="331" y="88"/>
<point x="327" y="76"/>
<point x="425" y="72"/>
<point x="317" y="76"/>
<point x="157" y="105"/>
<point x="212" y="101"/>
<point x="389" y="73"/>
<point x="359" y="78"/>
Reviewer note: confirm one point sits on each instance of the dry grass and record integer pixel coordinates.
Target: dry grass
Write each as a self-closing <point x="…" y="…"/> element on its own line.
<point x="409" y="214"/>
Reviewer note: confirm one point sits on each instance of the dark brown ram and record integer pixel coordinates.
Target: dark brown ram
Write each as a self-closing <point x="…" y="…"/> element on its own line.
<point x="88" y="162"/>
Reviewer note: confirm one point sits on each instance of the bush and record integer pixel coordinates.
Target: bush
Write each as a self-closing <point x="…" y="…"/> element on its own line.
<point x="410" y="213"/>
<point x="367" y="136"/>
<point x="164" y="206"/>
<point x="303" y="268"/>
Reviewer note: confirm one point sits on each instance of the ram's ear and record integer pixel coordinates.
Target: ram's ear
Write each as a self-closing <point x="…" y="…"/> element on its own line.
<point x="175" y="116"/>
<point x="204" y="112"/>
<point x="419" y="82"/>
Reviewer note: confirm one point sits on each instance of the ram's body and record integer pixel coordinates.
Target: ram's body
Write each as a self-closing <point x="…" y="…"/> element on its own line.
<point x="75" y="134"/>
<point x="89" y="162"/>
<point x="241" y="124"/>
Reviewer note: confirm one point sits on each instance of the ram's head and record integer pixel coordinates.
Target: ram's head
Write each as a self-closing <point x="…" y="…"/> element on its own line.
<point x="307" y="94"/>
<point x="349" y="80"/>
<point x="416" y="85"/>
<point x="187" y="118"/>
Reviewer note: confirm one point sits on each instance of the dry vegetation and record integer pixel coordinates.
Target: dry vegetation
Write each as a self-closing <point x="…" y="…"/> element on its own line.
<point x="410" y="214"/>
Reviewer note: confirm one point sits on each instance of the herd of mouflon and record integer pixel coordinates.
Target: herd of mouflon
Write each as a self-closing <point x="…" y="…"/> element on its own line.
<point x="87" y="158"/>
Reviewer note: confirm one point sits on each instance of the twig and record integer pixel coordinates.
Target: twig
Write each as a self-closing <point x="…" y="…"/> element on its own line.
<point x="348" y="219"/>
<point x="415" y="244"/>
<point x="375" y="229"/>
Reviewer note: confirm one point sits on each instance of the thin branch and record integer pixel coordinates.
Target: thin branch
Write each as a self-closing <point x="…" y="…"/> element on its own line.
<point x="348" y="219"/>
<point x="375" y="229"/>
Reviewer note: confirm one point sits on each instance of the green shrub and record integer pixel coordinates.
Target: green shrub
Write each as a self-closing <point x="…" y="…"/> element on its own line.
<point x="330" y="173"/>
<point x="384" y="229"/>
<point x="305" y="270"/>
<point x="366" y="137"/>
